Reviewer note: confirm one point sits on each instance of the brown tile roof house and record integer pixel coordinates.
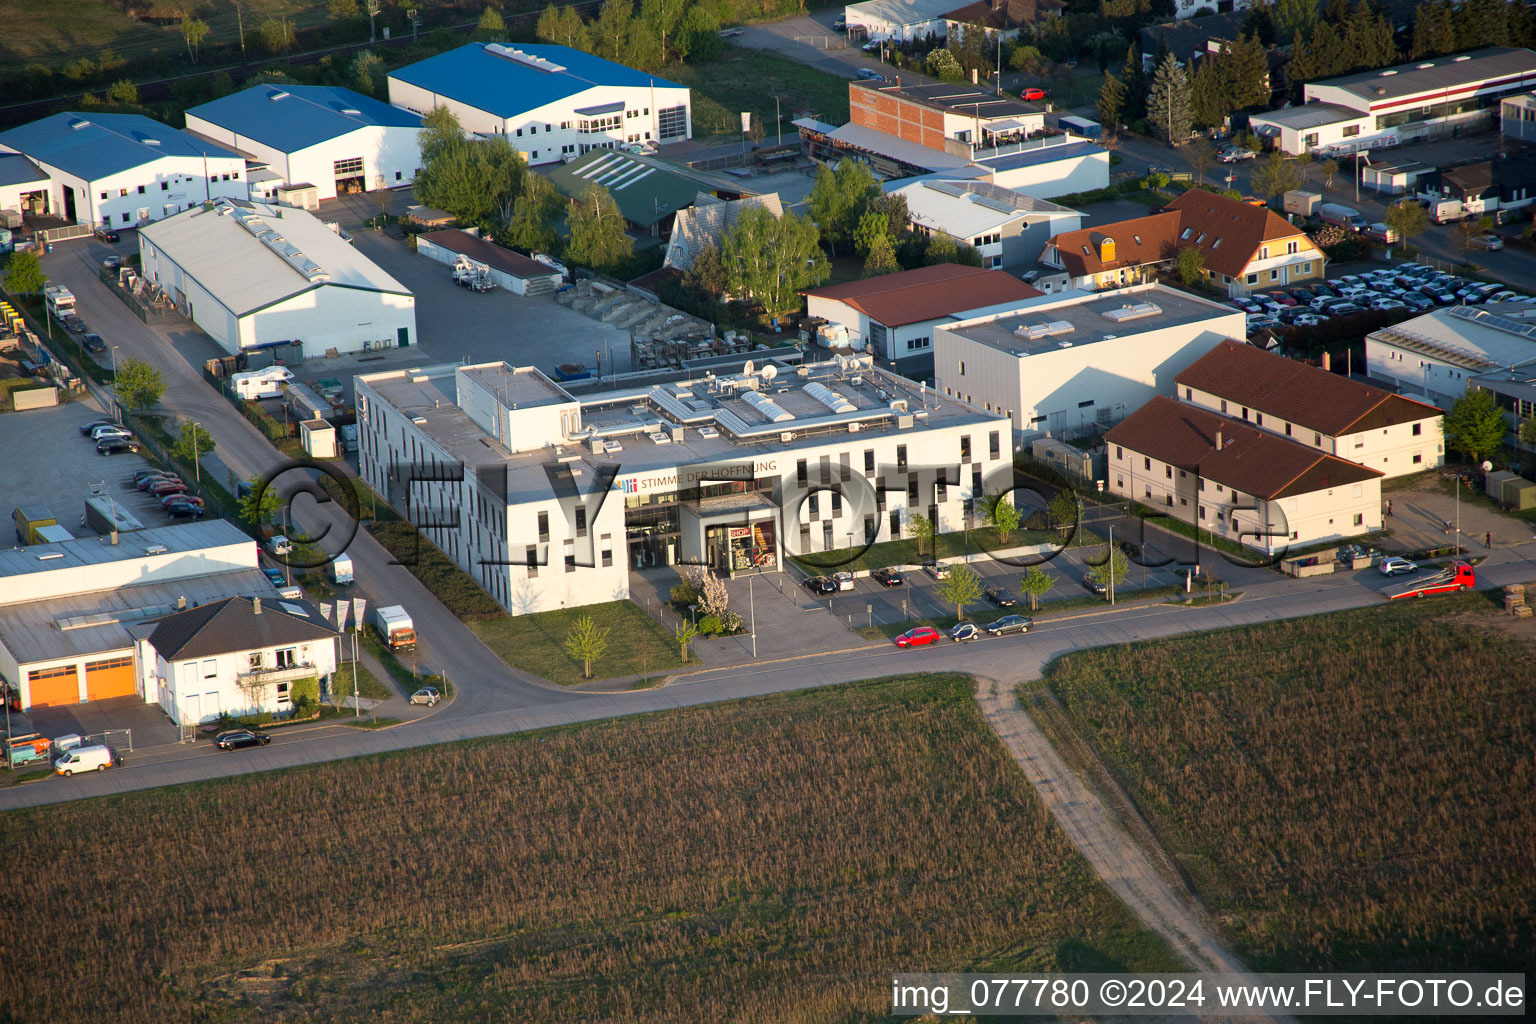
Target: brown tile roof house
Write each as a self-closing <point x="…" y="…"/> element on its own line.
<point x="237" y="624"/>
<point x="1295" y="392"/>
<point x="927" y="293"/>
<point x="1126" y="243"/>
<point x="1250" y="460"/>
<point x="1005" y="14"/>
<point x="1228" y="232"/>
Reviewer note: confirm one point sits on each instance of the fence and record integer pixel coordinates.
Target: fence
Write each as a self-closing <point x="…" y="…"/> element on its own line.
<point x="151" y="313"/>
<point x="216" y="501"/>
<point x="118" y="739"/>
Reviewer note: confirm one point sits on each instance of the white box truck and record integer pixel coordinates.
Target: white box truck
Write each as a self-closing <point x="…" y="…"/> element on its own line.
<point x="255" y="384"/>
<point x="341" y="569"/>
<point x="1302" y="202"/>
<point x="394" y="628"/>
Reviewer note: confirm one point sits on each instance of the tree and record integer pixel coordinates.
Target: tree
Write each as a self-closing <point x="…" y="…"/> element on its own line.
<point x="1527" y="433"/>
<point x="941" y="64"/>
<point x="1062" y="511"/>
<point x="1474" y="425"/>
<point x="478" y="181"/>
<point x="1135" y="80"/>
<point x="773" y="259"/>
<point x="893" y="207"/>
<point x="1329" y="169"/>
<point x="1189" y="264"/>
<point x="274" y="35"/>
<point x="597" y="234"/>
<point x="24" y="274"/>
<point x="1294" y="17"/>
<point x="139" y="385"/>
<point x="343" y="10"/>
<point x="259" y="503"/>
<point x="1276" y="176"/>
<point x="707" y="272"/>
<point x="1027" y="59"/>
<point x="440" y="132"/>
<point x="491" y="28"/>
<point x="1408" y="219"/>
<point x="960" y="587"/>
<point x="1434" y="29"/>
<point x="1001" y="514"/>
<point x="940" y="249"/>
<point x="919" y="528"/>
<point x="1036" y="583"/>
<point x="1200" y="154"/>
<point x="1168" y="103"/>
<point x="535" y="215"/>
<point x="1113" y="571"/>
<point x="872" y="228"/>
<point x="192" y="442"/>
<point x="586" y="642"/>
<point x="838" y="199"/>
<point x="685" y="634"/>
<point x="1471" y="229"/>
<point x="665" y="17"/>
<point x="610" y="28"/>
<point x="881" y="258"/>
<point x="367" y="72"/>
<point x="564" y="26"/>
<point x="193" y="32"/>
<point x="1111" y="104"/>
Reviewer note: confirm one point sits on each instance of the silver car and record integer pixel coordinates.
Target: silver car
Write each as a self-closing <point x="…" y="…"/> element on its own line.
<point x="427" y="695"/>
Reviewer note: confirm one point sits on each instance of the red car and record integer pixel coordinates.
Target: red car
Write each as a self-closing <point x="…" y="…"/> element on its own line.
<point x="1034" y="92"/>
<point x="166" y="501"/>
<point x="165" y="487"/>
<point x="919" y="636"/>
<point x="158" y="478"/>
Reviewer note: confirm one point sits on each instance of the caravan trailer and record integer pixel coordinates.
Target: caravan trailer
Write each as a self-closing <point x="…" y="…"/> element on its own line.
<point x="266" y="383"/>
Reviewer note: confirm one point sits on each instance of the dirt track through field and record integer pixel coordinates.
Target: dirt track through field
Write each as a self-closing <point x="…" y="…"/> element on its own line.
<point x="1109" y="848"/>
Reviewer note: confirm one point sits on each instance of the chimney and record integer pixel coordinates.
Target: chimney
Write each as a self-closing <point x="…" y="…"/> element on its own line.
<point x="898" y="83"/>
<point x="1327" y="363"/>
<point x="1218" y="448"/>
<point x="256" y="601"/>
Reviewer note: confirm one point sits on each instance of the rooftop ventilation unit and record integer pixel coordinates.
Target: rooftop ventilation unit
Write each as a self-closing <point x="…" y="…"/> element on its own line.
<point x="766" y="407"/>
<point x="278" y="96"/>
<point x="1046" y="330"/>
<point x="78" y="123"/>
<point x="353" y="111"/>
<point x="1139" y="311"/>
<point x="156" y="549"/>
<point x="306" y="267"/>
<point x="50" y="556"/>
<point x="526" y="59"/>
<point x="829" y="398"/>
<point x="898" y="405"/>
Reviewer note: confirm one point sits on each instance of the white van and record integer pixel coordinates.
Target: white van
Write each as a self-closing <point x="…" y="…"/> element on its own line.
<point x="86" y="759"/>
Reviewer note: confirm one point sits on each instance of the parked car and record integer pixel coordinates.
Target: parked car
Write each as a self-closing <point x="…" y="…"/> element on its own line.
<point x="1418" y="303"/>
<point x="1394" y="566"/>
<point x="1490" y="242"/>
<point x="86" y="428"/>
<point x="117" y="445"/>
<point x="165" y="487"/>
<point x="822" y="585"/>
<point x="185" y="510"/>
<point x="1248" y="305"/>
<point x="140" y="474"/>
<point x="1259" y="323"/>
<point x="871" y="76"/>
<point x="427" y="695"/>
<point x="939" y="570"/>
<point x="844" y="580"/>
<point x="1011" y="624"/>
<point x="1383" y="303"/>
<point x="275" y="575"/>
<point x="1303" y="295"/>
<point x="1323" y="290"/>
<point x="94" y="343"/>
<point x="234" y="739"/>
<point x="86" y="759"/>
<point x="1503" y="296"/>
<point x="1345" y="309"/>
<point x="1033" y="92"/>
<point x="107" y="235"/>
<point x="1305" y="320"/>
<point x="109" y="430"/>
<point x="1280" y="297"/>
<point x="1001" y="596"/>
<point x="158" y="477"/>
<point x="888" y="577"/>
<point x="1094" y="586"/>
<point x="1439" y="293"/>
<point x="72" y="323"/>
<point x="112" y="262"/>
<point x="190" y="499"/>
<point x="919" y="636"/>
<point x="964" y="631"/>
<point x="1234" y="154"/>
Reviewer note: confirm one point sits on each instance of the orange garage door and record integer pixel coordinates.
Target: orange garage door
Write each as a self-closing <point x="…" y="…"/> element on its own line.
<point x="52" y="687"/>
<point x="110" y="678"/>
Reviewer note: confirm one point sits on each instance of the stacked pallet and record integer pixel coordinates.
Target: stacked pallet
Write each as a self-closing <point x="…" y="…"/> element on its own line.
<point x="1514" y="601"/>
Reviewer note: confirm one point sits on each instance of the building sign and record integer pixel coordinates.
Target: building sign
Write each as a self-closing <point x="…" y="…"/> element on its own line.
<point x="689" y="475"/>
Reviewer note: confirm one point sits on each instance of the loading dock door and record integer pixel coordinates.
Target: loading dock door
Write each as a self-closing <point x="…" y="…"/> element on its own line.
<point x="112" y="677"/>
<point x="54" y="687"/>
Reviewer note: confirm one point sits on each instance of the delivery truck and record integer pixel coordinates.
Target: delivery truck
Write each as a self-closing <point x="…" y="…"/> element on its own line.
<point x="24" y="744"/>
<point x="341" y="569"/>
<point x="1302" y="202"/>
<point x="1456" y="576"/>
<point x="394" y="628"/>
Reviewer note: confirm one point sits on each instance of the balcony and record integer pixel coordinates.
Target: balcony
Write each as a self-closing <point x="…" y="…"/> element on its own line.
<point x="267" y="675"/>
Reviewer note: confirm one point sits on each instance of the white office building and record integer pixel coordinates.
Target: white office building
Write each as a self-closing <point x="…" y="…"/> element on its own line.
<point x="258" y="277"/>
<point x="338" y="140"/>
<point x="1007" y="228"/>
<point x="1076" y="360"/>
<point x="1446" y="352"/>
<point x="122" y="170"/>
<point x="549" y="101"/>
<point x="549" y="498"/>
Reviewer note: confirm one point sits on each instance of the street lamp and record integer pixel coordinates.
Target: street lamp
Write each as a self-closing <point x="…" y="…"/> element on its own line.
<point x="1362" y="161"/>
<point x="117" y="406"/>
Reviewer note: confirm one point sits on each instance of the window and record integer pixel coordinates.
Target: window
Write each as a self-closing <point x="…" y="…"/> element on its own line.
<point x="519" y="133"/>
<point x="533" y="129"/>
<point x="800" y="472"/>
<point x="869" y="527"/>
<point x="1202" y="513"/>
<point x="911" y="492"/>
<point x="211" y="666"/>
<point x="813" y="507"/>
<point x="1291" y="247"/>
<point x="837" y="505"/>
<point x="1351" y="131"/>
<point x="1359" y="519"/>
<point x="1287" y="430"/>
<point x="805" y="537"/>
<point x="1223" y="405"/>
<point x="103" y="195"/>
<point x="1168" y="472"/>
<point x="286" y="657"/>
<point x="1119" y="453"/>
<point x="1317" y="439"/>
<point x="895" y="526"/>
<point x="901" y="457"/>
<point x="141" y="187"/>
<point x="1085" y="405"/>
<point x="965" y="448"/>
<point x="570" y="556"/>
<point x="962" y="367"/>
<point x="1188" y="395"/>
<point x="532" y="561"/>
<point x="351" y="167"/>
<point x="994" y="444"/>
<point x="596" y="125"/>
<point x="1263" y="252"/>
<point x="1417" y="459"/>
<point x="1418" y="428"/>
<point x="282" y="695"/>
<point x="1258" y="419"/>
<point x="543" y="526"/>
<point x="581" y="520"/>
<point x="1146" y="463"/>
<point x="869" y="461"/>
<point x="1252" y="279"/>
<point x="943" y="490"/>
<point x="122" y="192"/>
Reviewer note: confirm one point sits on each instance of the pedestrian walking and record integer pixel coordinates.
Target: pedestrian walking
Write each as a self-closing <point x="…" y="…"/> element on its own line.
<point x="1488" y="539"/>
<point x="1446" y="527"/>
<point x="1389" y="508"/>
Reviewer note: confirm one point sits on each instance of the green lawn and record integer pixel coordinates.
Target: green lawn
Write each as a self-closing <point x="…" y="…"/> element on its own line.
<point x="750" y="80"/>
<point x="948" y="545"/>
<point x="367" y="684"/>
<point x="535" y="643"/>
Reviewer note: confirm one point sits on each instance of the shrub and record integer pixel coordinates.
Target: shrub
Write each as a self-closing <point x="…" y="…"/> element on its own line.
<point x="682" y="596"/>
<point x="305" y="694"/>
<point x="710" y="625"/>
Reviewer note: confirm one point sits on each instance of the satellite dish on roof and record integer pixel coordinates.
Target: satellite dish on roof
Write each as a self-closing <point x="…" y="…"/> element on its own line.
<point x="769" y="372"/>
<point x="1487" y="467"/>
<point x="749" y="369"/>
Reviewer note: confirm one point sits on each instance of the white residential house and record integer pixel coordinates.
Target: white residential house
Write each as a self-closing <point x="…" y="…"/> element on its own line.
<point x="124" y="170"/>
<point x="1006" y="227"/>
<point x="551" y="102"/>
<point x="238" y="656"/>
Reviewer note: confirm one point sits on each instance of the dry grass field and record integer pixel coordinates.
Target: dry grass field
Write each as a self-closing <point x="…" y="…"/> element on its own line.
<point x="1347" y="792"/>
<point x="771" y="860"/>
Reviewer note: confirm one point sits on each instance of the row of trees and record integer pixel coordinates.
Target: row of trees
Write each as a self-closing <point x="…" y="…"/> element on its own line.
<point x="659" y="33"/>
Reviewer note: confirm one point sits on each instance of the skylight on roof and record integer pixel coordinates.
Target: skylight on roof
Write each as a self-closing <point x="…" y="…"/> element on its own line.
<point x="293" y="609"/>
<point x="1138" y="239"/>
<point x="1186" y="233"/>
